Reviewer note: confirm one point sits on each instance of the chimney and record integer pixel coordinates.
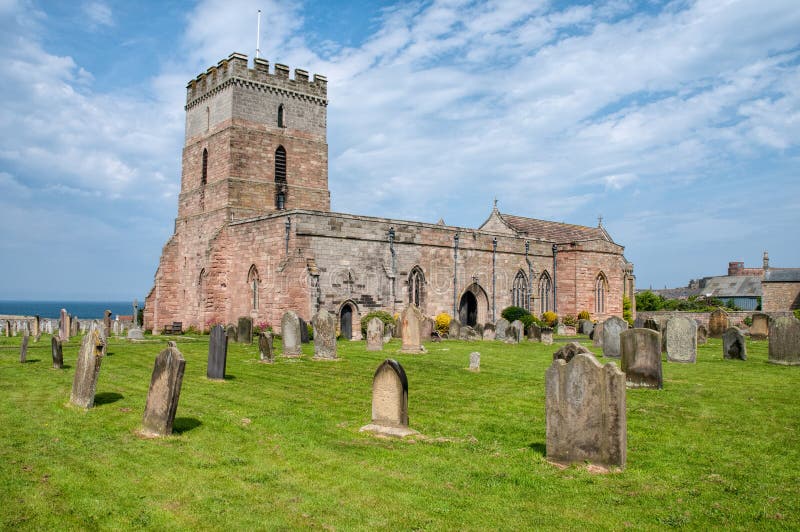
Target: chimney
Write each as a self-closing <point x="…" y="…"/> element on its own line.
<point x="766" y="260"/>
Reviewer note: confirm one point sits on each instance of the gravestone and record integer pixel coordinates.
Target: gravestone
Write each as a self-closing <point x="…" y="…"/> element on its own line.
<point x="501" y="329"/>
<point x="585" y="326"/>
<point x="37" y="327"/>
<point x="718" y="323"/>
<point x="426" y="329"/>
<point x="454" y="331"/>
<point x="478" y="328"/>
<point x="641" y="358"/>
<point x="733" y="344"/>
<point x="469" y="334"/>
<point x="547" y="335"/>
<point x="488" y="331"/>
<point x="74" y="326"/>
<point x="244" y="333"/>
<point x="568" y="351"/>
<point x="87" y="368"/>
<point x="597" y="335"/>
<point x="8" y="328"/>
<point x="475" y="361"/>
<point x="515" y="332"/>
<point x="107" y="323"/>
<point x="759" y="328"/>
<point x="64" y="326"/>
<point x="702" y="334"/>
<point x="290" y="334"/>
<point x="324" y="335"/>
<point x="116" y="327"/>
<point x="304" y="336"/>
<point x="784" y="341"/>
<point x="390" y="400"/>
<point x="410" y="321"/>
<point x="681" y="339"/>
<point x="638" y="323"/>
<point x="172" y="343"/>
<point x="585" y="412"/>
<point x="23" y="348"/>
<point x="58" y="354"/>
<point x="612" y="328"/>
<point x="164" y="392"/>
<point x="375" y="335"/>
<point x="534" y="333"/>
<point x="217" y="353"/>
<point x="651" y="324"/>
<point x="231" y="332"/>
<point x="265" y="352"/>
<point x="388" y="332"/>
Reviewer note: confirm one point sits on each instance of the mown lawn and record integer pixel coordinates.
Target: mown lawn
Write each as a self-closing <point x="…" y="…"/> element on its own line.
<point x="277" y="446"/>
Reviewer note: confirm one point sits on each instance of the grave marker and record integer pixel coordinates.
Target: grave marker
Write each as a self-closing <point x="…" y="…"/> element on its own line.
<point x="290" y="334"/>
<point x="681" y="339"/>
<point x="784" y="341"/>
<point x="217" y="353"/>
<point x="164" y="392"/>
<point x="641" y="358"/>
<point x="375" y="331"/>
<point x="733" y="344"/>
<point x="87" y="368"/>
<point x="390" y="400"/>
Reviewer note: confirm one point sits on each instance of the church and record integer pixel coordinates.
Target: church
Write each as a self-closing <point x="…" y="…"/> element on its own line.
<point x="255" y="235"/>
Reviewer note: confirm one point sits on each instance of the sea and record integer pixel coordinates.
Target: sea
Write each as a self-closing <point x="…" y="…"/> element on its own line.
<point x="52" y="309"/>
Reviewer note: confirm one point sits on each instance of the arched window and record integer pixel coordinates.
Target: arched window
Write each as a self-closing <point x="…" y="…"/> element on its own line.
<point x="280" y="178"/>
<point x="252" y="281"/>
<point x="281" y="116"/>
<point x="519" y="292"/>
<point x="416" y="287"/>
<point x="600" y="293"/>
<point x="544" y="293"/>
<point x="204" y="171"/>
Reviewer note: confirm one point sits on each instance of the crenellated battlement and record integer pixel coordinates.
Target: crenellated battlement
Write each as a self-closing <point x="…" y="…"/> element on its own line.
<point x="235" y="69"/>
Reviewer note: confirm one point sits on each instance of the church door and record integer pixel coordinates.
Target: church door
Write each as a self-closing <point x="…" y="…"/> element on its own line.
<point x="346" y="322"/>
<point x="468" y="309"/>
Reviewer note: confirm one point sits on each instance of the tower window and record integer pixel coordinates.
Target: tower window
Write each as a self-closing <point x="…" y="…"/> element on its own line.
<point x="204" y="171"/>
<point x="280" y="178"/>
<point x="281" y="116"/>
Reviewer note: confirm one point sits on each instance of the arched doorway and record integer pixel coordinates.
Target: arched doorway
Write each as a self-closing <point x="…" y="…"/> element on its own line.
<point x="468" y="309"/>
<point x="346" y="322"/>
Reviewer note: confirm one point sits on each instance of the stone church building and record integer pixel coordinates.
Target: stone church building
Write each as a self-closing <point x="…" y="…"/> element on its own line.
<point x="255" y="235"/>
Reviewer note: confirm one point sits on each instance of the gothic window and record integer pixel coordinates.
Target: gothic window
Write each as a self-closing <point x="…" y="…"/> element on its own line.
<point x="204" y="171"/>
<point x="600" y="293"/>
<point x="281" y="116"/>
<point x="280" y="178"/>
<point x="416" y="287"/>
<point x="544" y="293"/>
<point x="519" y="292"/>
<point x="252" y="281"/>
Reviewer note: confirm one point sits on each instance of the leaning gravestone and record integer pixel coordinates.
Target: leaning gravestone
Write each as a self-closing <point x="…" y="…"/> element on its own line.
<point x="515" y="332"/>
<point x="641" y="358"/>
<point x="597" y="335"/>
<point x="324" y="335"/>
<point x="217" y="353"/>
<point x="681" y="339"/>
<point x="501" y="329"/>
<point x="23" y="348"/>
<point x="304" y="336"/>
<point x="534" y="333"/>
<point x="87" y="368"/>
<point x="475" y="361"/>
<point x="410" y="321"/>
<point x="164" y="392"/>
<point x="58" y="355"/>
<point x="585" y="412"/>
<point x="569" y="350"/>
<point x="784" y="341"/>
<point x="469" y="334"/>
<point x="702" y="334"/>
<point x="290" y="334"/>
<point x="390" y="400"/>
<point x="265" y="352"/>
<point x="585" y="326"/>
<point x="546" y="336"/>
<point x="718" y="323"/>
<point x="612" y="328"/>
<point x="454" y="331"/>
<point x="244" y="331"/>
<point x="733" y="344"/>
<point x="375" y="335"/>
<point x="759" y="328"/>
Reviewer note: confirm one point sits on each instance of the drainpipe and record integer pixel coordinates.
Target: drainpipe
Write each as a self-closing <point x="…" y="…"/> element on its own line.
<point x="394" y="266"/>
<point x="288" y="225"/>
<point x="494" y="261"/>
<point x="555" y="299"/>
<point x="455" y="273"/>
<point x="530" y="275"/>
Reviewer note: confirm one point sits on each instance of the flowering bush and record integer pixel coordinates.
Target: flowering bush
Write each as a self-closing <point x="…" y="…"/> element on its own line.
<point x="550" y="318"/>
<point x="443" y="323"/>
<point x="584" y="315"/>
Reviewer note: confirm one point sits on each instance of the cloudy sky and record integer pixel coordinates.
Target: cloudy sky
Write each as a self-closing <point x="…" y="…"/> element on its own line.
<point x="677" y="121"/>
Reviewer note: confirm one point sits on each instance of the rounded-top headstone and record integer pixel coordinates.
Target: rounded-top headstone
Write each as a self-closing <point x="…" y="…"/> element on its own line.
<point x="612" y="328"/>
<point x="324" y="335"/>
<point x="681" y="339"/>
<point x="501" y="329"/>
<point x="290" y="334"/>
<point x="375" y="332"/>
<point x="784" y="341"/>
<point x="733" y="344"/>
<point x="718" y="323"/>
<point x="641" y="358"/>
<point x="410" y="329"/>
<point x="759" y="328"/>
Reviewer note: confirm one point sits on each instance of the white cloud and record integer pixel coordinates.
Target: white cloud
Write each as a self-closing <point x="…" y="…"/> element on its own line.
<point x="98" y="13"/>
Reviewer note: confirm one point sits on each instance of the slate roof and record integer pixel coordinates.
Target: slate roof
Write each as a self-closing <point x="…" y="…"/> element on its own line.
<point x="733" y="286"/>
<point x="554" y="231"/>
<point x="782" y="275"/>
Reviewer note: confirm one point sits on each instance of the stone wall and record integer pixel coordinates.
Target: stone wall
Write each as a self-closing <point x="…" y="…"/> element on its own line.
<point x="736" y="317"/>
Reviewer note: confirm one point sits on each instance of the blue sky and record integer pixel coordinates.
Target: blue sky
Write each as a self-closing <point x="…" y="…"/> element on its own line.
<point x="679" y="122"/>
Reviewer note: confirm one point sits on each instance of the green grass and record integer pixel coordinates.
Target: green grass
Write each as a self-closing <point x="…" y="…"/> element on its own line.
<point x="277" y="446"/>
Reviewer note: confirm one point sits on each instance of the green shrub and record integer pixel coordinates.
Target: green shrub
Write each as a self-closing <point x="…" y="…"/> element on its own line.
<point x="627" y="312"/>
<point x="311" y="331"/>
<point x="530" y="320"/>
<point x="584" y="315"/>
<point x="797" y="314"/>
<point x="513" y="314"/>
<point x="384" y="316"/>
<point x="748" y="321"/>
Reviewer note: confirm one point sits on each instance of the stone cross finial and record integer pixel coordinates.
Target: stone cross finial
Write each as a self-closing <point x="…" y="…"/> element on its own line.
<point x="599" y="220"/>
<point x="495" y="204"/>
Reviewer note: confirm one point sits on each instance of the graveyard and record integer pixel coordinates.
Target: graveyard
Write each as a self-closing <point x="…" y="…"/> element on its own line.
<point x="278" y="445"/>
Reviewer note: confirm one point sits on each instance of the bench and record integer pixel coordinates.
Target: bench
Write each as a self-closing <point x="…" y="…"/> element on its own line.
<point x="175" y="328"/>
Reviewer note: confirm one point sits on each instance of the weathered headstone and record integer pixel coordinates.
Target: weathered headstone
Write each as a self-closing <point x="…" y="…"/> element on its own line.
<point x="87" y="368"/>
<point x="74" y="326"/>
<point x="702" y="334"/>
<point x="265" y="351"/>
<point x="390" y="400"/>
<point x="231" y="332"/>
<point x="388" y="332"/>
<point x="501" y="329"/>
<point x="244" y="333"/>
<point x="681" y="339"/>
<point x="455" y="329"/>
<point x="515" y="332"/>
<point x="475" y="361"/>
<point x="641" y="358"/>
<point x="375" y="334"/>
<point x="164" y="392"/>
<point x="547" y="335"/>
<point x="116" y="327"/>
<point x="784" y="341"/>
<point x="410" y="321"/>
<point x="217" y="353"/>
<point x="304" y="336"/>
<point x="469" y="334"/>
<point x="58" y="355"/>
<point x="651" y="324"/>
<point x="107" y="323"/>
<point x="597" y="334"/>
<point x="585" y="412"/>
<point x="290" y="334"/>
<point x="324" y="335"/>
<point x="612" y="328"/>
<point x="488" y="331"/>
<point x="37" y="327"/>
<point x="426" y="330"/>
<point x="172" y="343"/>
<point x="23" y="348"/>
<point x="733" y="344"/>
<point x="585" y="327"/>
<point x="568" y="351"/>
<point x="534" y="333"/>
<point x="759" y="328"/>
<point x="718" y="323"/>
<point x="8" y="328"/>
<point x="64" y="325"/>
